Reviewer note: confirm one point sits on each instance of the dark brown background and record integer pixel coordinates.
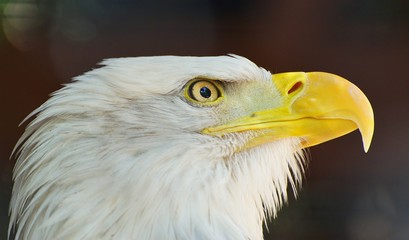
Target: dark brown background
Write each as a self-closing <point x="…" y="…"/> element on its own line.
<point x="348" y="194"/>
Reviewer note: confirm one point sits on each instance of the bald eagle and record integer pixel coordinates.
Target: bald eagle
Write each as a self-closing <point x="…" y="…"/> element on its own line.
<point x="173" y="147"/>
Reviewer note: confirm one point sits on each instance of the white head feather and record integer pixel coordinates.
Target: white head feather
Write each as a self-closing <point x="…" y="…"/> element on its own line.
<point x="118" y="154"/>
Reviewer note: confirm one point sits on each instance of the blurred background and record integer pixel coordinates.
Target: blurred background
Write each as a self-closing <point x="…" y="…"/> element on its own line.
<point x="347" y="194"/>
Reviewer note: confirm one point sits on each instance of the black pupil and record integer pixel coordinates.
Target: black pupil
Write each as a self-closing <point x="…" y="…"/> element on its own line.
<point x="205" y="92"/>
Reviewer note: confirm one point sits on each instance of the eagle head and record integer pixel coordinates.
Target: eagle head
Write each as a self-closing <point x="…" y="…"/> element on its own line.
<point x="174" y="148"/>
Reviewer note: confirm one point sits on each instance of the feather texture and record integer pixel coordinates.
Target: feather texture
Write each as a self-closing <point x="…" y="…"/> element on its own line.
<point x="118" y="154"/>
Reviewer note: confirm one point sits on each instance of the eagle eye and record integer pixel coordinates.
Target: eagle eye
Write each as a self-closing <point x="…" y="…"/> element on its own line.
<point x="203" y="91"/>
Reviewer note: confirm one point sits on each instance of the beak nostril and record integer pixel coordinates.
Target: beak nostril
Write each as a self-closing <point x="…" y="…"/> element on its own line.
<point x="295" y="87"/>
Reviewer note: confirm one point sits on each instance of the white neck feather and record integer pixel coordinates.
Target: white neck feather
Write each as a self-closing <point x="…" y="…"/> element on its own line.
<point x="176" y="190"/>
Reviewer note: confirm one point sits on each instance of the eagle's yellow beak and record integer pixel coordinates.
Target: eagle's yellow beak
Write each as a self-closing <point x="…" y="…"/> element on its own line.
<point x="315" y="106"/>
